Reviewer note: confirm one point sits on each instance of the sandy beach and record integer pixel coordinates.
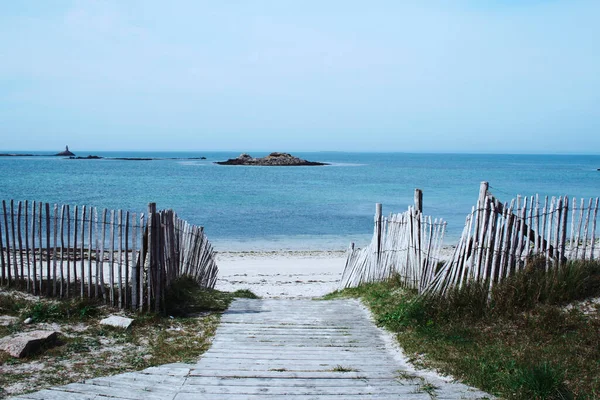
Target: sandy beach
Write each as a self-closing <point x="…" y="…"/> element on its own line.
<point x="290" y="274"/>
<point x="285" y="274"/>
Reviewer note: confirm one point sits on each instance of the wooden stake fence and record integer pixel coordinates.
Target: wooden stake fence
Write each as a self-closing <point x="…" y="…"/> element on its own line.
<point x="67" y="252"/>
<point x="405" y="245"/>
<point x="498" y="240"/>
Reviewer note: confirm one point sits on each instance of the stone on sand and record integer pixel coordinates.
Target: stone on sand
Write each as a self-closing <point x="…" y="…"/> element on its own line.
<point x="23" y="344"/>
<point x="117" y="321"/>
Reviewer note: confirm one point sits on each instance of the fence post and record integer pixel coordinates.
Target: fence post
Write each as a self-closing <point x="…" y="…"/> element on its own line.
<point x="151" y="248"/>
<point x="419" y="212"/>
<point x="379" y="228"/>
<point x="419" y="200"/>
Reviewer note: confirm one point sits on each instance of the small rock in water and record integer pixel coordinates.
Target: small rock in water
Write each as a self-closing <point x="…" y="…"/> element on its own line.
<point x="28" y="321"/>
<point x="6" y="320"/>
<point x="22" y="344"/>
<point x="117" y="322"/>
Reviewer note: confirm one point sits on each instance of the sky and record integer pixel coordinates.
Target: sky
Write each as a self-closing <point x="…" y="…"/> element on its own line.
<point x="481" y="76"/>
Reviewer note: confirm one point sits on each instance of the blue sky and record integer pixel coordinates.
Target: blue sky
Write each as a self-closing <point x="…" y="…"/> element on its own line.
<point x="518" y="76"/>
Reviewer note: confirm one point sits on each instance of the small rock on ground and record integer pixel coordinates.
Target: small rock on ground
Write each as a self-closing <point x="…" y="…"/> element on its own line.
<point x="117" y="321"/>
<point x="23" y="344"/>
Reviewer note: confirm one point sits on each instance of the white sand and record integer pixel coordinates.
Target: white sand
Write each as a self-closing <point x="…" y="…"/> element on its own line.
<point x="293" y="274"/>
<point x="285" y="274"/>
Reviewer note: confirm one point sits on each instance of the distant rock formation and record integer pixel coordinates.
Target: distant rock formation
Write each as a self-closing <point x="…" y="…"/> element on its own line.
<point x="272" y="160"/>
<point x="90" y="157"/>
<point x="65" y="153"/>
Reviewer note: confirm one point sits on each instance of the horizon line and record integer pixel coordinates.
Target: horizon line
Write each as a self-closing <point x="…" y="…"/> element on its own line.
<point x="44" y="152"/>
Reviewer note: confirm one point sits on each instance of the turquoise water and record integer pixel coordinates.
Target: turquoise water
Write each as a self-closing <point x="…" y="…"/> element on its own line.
<point x="273" y="208"/>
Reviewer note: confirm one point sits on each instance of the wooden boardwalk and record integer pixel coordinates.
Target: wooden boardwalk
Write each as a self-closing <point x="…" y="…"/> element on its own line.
<point x="275" y="349"/>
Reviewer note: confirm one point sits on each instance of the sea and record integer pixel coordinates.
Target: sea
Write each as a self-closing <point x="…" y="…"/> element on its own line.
<point x="294" y="208"/>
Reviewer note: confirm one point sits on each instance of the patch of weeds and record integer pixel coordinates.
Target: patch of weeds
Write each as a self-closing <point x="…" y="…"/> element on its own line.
<point x="61" y="311"/>
<point x="428" y="388"/>
<point x="540" y="381"/>
<point x="11" y="303"/>
<point x="185" y="297"/>
<point x="82" y="344"/>
<point x="341" y="368"/>
<point x="244" y="294"/>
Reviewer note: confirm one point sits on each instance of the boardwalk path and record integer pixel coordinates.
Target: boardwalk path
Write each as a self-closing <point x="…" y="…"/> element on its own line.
<point x="272" y="349"/>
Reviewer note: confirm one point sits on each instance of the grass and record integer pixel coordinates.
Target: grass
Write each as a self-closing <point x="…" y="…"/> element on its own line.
<point x="186" y="298"/>
<point x="341" y="368"/>
<point x="522" y="344"/>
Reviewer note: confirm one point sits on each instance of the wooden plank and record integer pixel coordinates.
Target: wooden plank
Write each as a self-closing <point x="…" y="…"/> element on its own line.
<point x="20" y="239"/>
<point x="4" y="280"/>
<point x="27" y="255"/>
<point x="494" y="275"/>
<point x="41" y="244"/>
<point x="14" y="242"/>
<point x="142" y="258"/>
<point x="90" y="250"/>
<point x="102" y="242"/>
<point x="529" y="224"/>
<point x="585" y="230"/>
<point x="551" y="221"/>
<point x="489" y="245"/>
<point x="99" y="269"/>
<point x="82" y="252"/>
<point x="505" y="264"/>
<point x="536" y="245"/>
<point x="54" y="266"/>
<point x="160" y="260"/>
<point x="33" y="258"/>
<point x="151" y="252"/>
<point x="120" y="256"/>
<point x="8" y="247"/>
<point x="483" y="232"/>
<point x="62" y="250"/>
<point x="578" y="231"/>
<point x="543" y="231"/>
<point x="563" y="239"/>
<point x="467" y="252"/>
<point x="75" y="226"/>
<point x="126" y="294"/>
<point x="111" y="271"/>
<point x="592" y="255"/>
<point x="134" y="263"/>
<point x="419" y="200"/>
<point x="557" y="234"/>
<point x="521" y="234"/>
<point x="48" y="248"/>
<point x="572" y="240"/>
<point x="68" y="288"/>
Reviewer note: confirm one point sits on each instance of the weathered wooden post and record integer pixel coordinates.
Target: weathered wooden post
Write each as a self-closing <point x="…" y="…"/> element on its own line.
<point x="419" y="200"/>
<point x="8" y="248"/>
<point x="151" y="249"/>
<point x="418" y="212"/>
<point x="378" y="228"/>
